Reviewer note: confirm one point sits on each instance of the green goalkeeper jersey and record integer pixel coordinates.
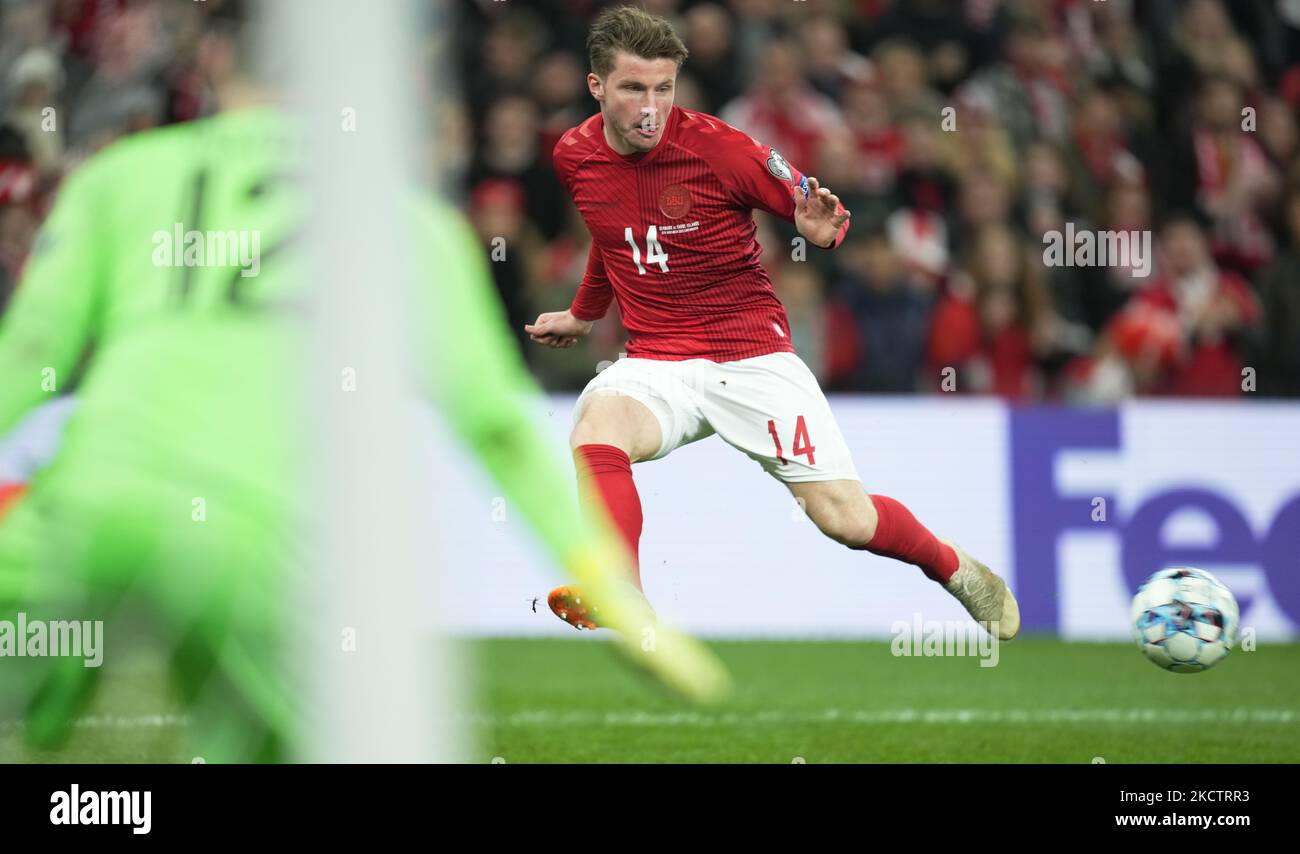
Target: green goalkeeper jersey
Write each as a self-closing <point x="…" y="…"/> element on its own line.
<point x="183" y="345"/>
<point x="169" y="268"/>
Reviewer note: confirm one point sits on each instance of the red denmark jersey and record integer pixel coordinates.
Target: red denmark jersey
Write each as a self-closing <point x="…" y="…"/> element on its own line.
<point x="673" y="237"/>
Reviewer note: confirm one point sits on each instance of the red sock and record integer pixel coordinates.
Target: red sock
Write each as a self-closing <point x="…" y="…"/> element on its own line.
<point x="900" y="536"/>
<point x="611" y="470"/>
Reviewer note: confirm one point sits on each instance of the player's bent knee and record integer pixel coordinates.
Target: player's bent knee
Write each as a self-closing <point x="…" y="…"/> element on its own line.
<point x="589" y="433"/>
<point x="617" y="420"/>
<point x="862" y="529"/>
<point x="851" y="533"/>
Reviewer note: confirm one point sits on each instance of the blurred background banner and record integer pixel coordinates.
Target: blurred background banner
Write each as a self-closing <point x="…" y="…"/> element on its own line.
<point x="1079" y="506"/>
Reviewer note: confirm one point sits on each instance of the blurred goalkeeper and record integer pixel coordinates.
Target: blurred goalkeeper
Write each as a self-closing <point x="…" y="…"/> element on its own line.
<point x="179" y="489"/>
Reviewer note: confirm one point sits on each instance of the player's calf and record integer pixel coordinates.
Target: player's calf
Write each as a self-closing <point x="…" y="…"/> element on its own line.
<point x="883" y="526"/>
<point x="612" y="432"/>
<point x="840" y="509"/>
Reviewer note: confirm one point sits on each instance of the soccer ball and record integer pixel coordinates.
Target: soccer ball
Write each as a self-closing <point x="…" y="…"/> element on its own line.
<point x="1184" y="619"/>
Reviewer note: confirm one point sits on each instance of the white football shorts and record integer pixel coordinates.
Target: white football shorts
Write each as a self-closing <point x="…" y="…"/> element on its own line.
<point x="770" y="407"/>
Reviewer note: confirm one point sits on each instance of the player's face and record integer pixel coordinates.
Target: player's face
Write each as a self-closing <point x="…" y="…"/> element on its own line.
<point x="635" y="99"/>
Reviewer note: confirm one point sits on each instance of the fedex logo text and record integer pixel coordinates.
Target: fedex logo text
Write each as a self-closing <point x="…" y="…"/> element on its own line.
<point x="1041" y="515"/>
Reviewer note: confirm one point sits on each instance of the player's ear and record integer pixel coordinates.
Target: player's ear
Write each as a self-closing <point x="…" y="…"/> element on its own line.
<point x="596" y="86"/>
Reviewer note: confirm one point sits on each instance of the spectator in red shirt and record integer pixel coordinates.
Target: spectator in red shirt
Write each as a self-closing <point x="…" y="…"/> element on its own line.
<point x="994" y="322"/>
<point x="782" y="109"/>
<point x="876" y="136"/>
<point x="1214" y="309"/>
<point x="1224" y="172"/>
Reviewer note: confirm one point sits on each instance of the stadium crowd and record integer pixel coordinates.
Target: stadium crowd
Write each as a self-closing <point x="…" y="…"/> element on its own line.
<point x="959" y="133"/>
<point x="1172" y="118"/>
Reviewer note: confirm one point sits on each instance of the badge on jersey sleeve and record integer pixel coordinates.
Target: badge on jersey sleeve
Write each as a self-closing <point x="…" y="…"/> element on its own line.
<point x="777" y="166"/>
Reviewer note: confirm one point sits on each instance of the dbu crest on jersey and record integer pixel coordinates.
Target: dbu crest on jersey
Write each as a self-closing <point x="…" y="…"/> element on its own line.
<point x="674" y="201"/>
<point x="777" y="166"/>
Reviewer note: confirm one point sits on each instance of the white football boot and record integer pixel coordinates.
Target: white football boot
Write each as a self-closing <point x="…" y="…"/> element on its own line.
<point x="985" y="595"/>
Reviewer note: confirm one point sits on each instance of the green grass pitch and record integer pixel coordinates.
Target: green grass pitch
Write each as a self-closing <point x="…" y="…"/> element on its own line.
<point x="1044" y="701"/>
<point x="571" y="700"/>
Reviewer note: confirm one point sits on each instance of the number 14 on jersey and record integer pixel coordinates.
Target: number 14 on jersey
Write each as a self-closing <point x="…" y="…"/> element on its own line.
<point x="654" y="254"/>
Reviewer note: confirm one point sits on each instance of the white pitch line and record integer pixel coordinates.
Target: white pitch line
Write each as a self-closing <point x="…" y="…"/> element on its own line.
<point x="116" y="722"/>
<point x="893" y="716"/>
<point x="544" y="718"/>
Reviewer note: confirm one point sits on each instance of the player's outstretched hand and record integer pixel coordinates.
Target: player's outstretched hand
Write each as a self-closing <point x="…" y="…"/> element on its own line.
<point x="819" y="216"/>
<point x="558" y="329"/>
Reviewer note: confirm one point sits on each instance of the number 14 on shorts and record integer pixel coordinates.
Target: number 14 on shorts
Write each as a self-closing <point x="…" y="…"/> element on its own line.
<point x="802" y="444"/>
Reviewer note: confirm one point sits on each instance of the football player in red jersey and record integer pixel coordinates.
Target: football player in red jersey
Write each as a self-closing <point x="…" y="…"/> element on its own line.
<point x="668" y="195"/>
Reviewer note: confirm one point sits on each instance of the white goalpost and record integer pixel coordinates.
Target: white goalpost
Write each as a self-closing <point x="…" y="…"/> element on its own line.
<point x="379" y="685"/>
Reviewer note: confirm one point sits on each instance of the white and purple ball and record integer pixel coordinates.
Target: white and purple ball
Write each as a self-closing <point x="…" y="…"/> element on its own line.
<point x="1184" y="619"/>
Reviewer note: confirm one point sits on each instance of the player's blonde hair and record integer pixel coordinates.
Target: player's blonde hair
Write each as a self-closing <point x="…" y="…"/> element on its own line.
<point x="635" y="31"/>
